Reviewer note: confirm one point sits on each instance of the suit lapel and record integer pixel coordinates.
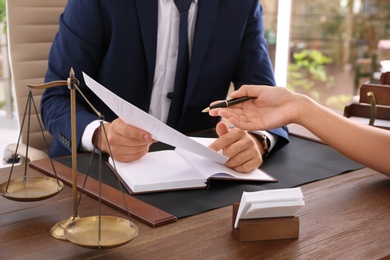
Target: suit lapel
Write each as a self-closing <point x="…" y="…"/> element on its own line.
<point x="148" y="11"/>
<point x="205" y="21"/>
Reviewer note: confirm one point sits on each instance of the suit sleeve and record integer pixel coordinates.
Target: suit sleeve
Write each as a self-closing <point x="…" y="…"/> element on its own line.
<point x="254" y="66"/>
<point x="80" y="48"/>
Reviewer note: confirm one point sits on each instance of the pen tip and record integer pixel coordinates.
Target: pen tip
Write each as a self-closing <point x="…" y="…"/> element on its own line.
<point x="206" y="110"/>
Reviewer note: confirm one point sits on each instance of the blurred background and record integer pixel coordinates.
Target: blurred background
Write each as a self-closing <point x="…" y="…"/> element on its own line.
<point x="334" y="45"/>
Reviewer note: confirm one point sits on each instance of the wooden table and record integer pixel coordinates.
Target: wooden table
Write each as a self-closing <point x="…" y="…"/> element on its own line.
<point x="345" y="217"/>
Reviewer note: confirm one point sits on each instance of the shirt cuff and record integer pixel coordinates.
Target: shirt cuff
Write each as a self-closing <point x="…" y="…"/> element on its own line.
<point x="86" y="140"/>
<point x="271" y="137"/>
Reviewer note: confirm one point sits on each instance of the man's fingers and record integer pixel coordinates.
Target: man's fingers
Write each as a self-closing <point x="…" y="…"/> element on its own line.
<point x="130" y="132"/>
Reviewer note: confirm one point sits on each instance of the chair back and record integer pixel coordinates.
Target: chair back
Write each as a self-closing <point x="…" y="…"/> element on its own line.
<point x="31" y="28"/>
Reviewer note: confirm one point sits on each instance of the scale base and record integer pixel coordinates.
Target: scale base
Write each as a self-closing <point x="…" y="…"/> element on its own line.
<point x="58" y="230"/>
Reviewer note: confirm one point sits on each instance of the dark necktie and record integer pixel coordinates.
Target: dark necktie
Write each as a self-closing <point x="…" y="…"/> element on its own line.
<point x="182" y="65"/>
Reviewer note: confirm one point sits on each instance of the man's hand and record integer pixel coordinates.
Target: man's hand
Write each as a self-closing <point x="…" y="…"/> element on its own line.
<point x="127" y="143"/>
<point x="243" y="150"/>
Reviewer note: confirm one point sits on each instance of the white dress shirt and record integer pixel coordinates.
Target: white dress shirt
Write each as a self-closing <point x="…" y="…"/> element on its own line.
<point x="166" y="56"/>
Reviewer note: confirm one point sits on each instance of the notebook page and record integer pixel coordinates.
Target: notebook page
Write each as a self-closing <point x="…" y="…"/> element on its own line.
<point x="210" y="168"/>
<point x="159" y="171"/>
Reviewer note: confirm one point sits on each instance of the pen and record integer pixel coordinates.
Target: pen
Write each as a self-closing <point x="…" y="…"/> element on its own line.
<point x="227" y="103"/>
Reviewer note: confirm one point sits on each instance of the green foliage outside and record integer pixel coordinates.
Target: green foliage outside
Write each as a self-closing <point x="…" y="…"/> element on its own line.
<point x="338" y="102"/>
<point x="307" y="73"/>
<point x="3" y="15"/>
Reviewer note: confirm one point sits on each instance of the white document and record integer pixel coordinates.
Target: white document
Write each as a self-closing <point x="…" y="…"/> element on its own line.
<point x="132" y="115"/>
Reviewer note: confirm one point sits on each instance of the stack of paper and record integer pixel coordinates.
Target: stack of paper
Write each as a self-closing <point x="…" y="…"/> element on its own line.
<point x="269" y="203"/>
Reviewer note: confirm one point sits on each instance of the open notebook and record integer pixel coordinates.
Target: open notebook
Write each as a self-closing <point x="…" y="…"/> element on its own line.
<point x="178" y="169"/>
<point x="191" y="165"/>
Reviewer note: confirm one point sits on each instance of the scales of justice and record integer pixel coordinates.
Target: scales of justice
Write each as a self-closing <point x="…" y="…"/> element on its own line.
<point x="93" y="231"/>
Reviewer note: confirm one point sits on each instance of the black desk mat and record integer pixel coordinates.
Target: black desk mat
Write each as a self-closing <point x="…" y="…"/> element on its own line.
<point x="301" y="161"/>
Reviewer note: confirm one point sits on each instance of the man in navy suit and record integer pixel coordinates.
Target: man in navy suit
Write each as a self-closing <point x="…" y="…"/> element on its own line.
<point x="130" y="47"/>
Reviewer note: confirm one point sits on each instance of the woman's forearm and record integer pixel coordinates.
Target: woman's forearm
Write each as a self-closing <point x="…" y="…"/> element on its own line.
<point x="363" y="143"/>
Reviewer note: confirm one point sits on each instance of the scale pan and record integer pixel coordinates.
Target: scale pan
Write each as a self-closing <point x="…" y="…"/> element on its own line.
<point x="114" y="231"/>
<point x="31" y="188"/>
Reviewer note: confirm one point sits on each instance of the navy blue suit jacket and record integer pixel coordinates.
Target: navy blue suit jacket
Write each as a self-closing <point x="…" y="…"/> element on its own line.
<point x="114" y="42"/>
